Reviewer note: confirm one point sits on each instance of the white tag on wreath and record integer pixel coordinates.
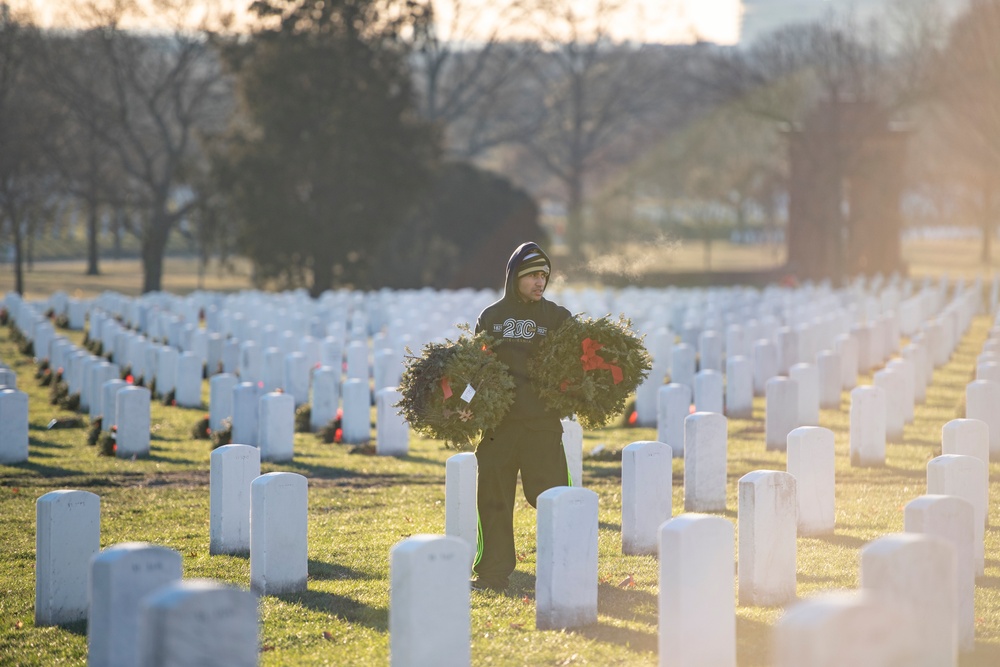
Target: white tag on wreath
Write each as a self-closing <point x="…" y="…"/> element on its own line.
<point x="468" y="393"/>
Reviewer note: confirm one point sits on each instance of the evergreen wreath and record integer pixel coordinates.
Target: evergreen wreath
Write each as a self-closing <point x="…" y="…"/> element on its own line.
<point x="433" y="384"/>
<point x="589" y="368"/>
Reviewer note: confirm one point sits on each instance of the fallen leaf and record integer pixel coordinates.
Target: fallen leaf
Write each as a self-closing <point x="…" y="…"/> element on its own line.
<point x="517" y="626"/>
<point x="327" y="635"/>
<point x="266" y="647"/>
<point x="526" y="600"/>
<point x="627" y="582"/>
<point x="18" y="625"/>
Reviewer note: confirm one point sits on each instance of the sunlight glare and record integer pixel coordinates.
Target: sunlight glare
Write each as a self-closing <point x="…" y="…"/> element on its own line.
<point x="663" y="21"/>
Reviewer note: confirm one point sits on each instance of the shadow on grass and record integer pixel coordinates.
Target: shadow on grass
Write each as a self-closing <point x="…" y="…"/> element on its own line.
<point x="926" y="441"/>
<point x="841" y="540"/>
<point x="605" y="525"/>
<point x="633" y="640"/>
<point x="46" y="444"/>
<point x="983" y="655"/>
<point x="44" y="455"/>
<point x="909" y="473"/>
<point x="78" y="628"/>
<point x="805" y="577"/>
<point x="750" y="430"/>
<point x="627" y="604"/>
<point x="342" y="607"/>
<point x="319" y="470"/>
<point x="753" y="642"/>
<point x="409" y="458"/>
<point x="322" y="571"/>
<point x="760" y="464"/>
<point x="604" y="472"/>
<point x="46" y="471"/>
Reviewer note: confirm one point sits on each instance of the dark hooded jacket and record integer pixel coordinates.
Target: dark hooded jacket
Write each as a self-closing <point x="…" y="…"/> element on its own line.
<point x="520" y="327"/>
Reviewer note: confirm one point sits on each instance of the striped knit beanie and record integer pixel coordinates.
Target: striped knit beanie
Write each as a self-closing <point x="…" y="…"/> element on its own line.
<point x="534" y="261"/>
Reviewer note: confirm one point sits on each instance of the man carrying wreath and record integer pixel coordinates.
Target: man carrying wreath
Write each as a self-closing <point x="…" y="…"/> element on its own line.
<point x="529" y="438"/>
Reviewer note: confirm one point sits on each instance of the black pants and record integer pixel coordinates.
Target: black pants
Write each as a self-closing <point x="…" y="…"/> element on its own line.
<point x="538" y="454"/>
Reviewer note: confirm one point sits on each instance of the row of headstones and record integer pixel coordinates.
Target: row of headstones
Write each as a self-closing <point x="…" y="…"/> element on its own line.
<point x="179" y="369"/>
<point x="796" y="399"/>
<point x="279" y="321"/>
<point x="874" y="418"/>
<point x="283" y="363"/>
<point x="138" y="610"/>
<point x="245" y="315"/>
<point x="13" y="419"/>
<point x="775" y="507"/>
<point x="101" y="393"/>
<point x="915" y="579"/>
<point x="735" y="319"/>
<point x="160" y="314"/>
<point x="261" y="360"/>
<point x="267" y="420"/>
<point x="423" y="574"/>
<point x="299" y="310"/>
<point x="259" y="418"/>
<point x="276" y="326"/>
<point x="838" y="358"/>
<point x="130" y="411"/>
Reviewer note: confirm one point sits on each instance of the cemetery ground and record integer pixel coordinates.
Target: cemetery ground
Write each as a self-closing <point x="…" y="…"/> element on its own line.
<point x="958" y="258"/>
<point x="361" y="505"/>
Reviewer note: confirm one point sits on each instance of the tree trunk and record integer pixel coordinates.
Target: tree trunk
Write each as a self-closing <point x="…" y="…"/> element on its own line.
<point x="117" y="230"/>
<point x="154" y="246"/>
<point x="322" y="274"/>
<point x="574" y="218"/>
<point x="987" y="248"/>
<point x="93" y="223"/>
<point x="202" y="267"/>
<point x="18" y="255"/>
<point x="30" y="247"/>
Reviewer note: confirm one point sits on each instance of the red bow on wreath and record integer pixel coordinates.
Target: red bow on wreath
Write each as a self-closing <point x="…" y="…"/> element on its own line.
<point x="592" y="361"/>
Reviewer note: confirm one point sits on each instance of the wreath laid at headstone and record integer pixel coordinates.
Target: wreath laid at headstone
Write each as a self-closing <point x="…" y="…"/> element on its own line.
<point x="201" y="430"/>
<point x="589" y="368"/>
<point x="222" y="436"/>
<point x="456" y="390"/>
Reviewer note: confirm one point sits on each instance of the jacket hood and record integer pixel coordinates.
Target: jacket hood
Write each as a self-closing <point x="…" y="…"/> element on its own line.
<point x="522" y="251"/>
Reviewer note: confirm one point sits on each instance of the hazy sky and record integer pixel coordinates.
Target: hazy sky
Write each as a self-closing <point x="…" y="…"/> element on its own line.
<point x="672" y="21"/>
<point x="649" y="20"/>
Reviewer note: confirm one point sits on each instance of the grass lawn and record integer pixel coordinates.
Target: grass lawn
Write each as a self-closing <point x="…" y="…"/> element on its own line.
<point x="958" y="258"/>
<point x="360" y="506"/>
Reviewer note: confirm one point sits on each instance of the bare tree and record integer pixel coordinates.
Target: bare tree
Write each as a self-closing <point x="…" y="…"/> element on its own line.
<point x="84" y="159"/>
<point x="969" y="110"/>
<point x="838" y="89"/>
<point x="467" y="67"/>
<point x="27" y="123"/>
<point x="160" y="91"/>
<point x="588" y="90"/>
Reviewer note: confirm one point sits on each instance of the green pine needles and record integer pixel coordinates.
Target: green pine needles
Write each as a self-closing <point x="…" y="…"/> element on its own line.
<point x="589" y="368"/>
<point x="433" y="384"/>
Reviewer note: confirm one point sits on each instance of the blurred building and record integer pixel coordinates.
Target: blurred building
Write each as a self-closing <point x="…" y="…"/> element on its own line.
<point x="845" y="191"/>
<point x="763" y="16"/>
